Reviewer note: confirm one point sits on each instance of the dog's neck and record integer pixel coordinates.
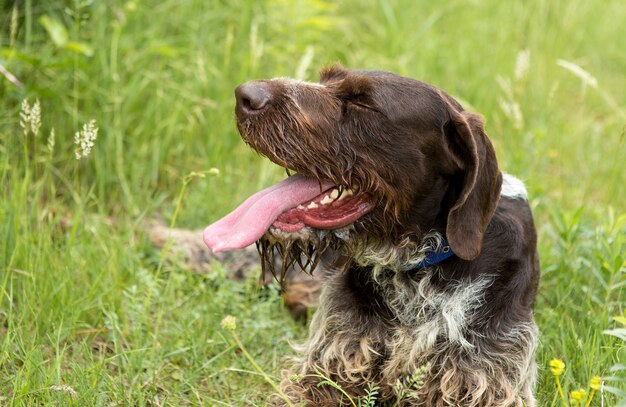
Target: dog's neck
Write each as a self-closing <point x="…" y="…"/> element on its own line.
<point x="399" y="256"/>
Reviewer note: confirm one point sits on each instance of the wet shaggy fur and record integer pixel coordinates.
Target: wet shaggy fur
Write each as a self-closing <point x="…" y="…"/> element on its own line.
<point x="432" y="172"/>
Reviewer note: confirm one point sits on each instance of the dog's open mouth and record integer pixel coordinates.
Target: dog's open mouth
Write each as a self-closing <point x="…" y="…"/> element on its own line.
<point x="289" y="206"/>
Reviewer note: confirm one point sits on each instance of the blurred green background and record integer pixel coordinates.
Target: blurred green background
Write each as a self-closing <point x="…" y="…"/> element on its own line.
<point x="87" y="303"/>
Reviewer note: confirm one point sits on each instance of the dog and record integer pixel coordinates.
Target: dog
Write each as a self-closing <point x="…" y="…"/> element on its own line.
<point x="428" y="297"/>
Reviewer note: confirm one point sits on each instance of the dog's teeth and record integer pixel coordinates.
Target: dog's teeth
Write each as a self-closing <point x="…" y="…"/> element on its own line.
<point x="327" y="199"/>
<point x="301" y="207"/>
<point x="312" y="205"/>
<point x="334" y="193"/>
<point x="345" y="193"/>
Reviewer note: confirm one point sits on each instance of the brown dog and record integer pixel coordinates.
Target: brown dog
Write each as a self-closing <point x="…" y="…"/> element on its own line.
<point x="434" y="256"/>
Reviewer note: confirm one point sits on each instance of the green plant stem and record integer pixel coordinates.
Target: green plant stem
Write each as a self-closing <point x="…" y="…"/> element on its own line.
<point x="260" y="370"/>
<point x="28" y="17"/>
<point x="168" y="242"/>
<point x="26" y="158"/>
<point x="558" y="386"/>
<point x="120" y="165"/>
<point x="591" y="394"/>
<point x="179" y="203"/>
<point x="166" y="248"/>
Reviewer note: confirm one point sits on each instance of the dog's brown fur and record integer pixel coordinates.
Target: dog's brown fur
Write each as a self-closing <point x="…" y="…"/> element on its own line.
<point x="433" y="174"/>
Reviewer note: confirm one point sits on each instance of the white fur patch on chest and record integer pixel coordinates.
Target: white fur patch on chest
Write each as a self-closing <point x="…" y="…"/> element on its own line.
<point x="447" y="314"/>
<point x="513" y="187"/>
<point x="432" y="313"/>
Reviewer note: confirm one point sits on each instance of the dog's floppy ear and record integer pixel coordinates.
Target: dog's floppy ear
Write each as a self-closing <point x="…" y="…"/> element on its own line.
<point x="478" y="190"/>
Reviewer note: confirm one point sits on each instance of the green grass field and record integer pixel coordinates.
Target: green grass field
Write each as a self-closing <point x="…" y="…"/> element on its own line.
<point x="90" y="314"/>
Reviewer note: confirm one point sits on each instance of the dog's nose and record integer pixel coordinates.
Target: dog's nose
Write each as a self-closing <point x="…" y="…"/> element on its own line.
<point x="252" y="97"/>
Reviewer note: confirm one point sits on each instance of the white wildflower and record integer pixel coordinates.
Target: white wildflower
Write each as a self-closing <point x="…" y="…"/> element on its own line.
<point x="25" y="117"/>
<point x="85" y="139"/>
<point x="30" y="117"/>
<point x="51" y="141"/>
<point x="65" y="389"/>
<point x="522" y="63"/>
<point x="513" y="111"/>
<point x="35" y="117"/>
<point x="586" y="78"/>
<point x="506" y="86"/>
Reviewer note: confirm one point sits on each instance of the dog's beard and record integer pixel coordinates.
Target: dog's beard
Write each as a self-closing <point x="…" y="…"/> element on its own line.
<point x="280" y="251"/>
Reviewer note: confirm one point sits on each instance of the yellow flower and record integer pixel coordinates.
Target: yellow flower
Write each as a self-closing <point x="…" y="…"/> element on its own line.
<point x="578" y="395"/>
<point x="595" y="383"/>
<point x="229" y="323"/>
<point x="557" y="367"/>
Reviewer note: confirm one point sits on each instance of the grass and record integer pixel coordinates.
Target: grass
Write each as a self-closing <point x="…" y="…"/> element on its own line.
<point x="89" y="315"/>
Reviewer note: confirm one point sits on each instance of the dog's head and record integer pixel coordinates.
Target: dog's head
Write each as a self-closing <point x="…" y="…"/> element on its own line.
<point x="393" y="157"/>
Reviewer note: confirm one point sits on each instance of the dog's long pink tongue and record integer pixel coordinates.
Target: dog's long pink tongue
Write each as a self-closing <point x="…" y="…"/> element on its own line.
<point x="246" y="224"/>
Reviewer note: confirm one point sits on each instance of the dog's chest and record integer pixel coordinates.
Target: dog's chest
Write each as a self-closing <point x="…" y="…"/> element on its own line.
<point x="430" y="312"/>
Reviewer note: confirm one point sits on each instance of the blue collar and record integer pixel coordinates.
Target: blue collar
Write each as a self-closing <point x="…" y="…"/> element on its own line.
<point x="433" y="257"/>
